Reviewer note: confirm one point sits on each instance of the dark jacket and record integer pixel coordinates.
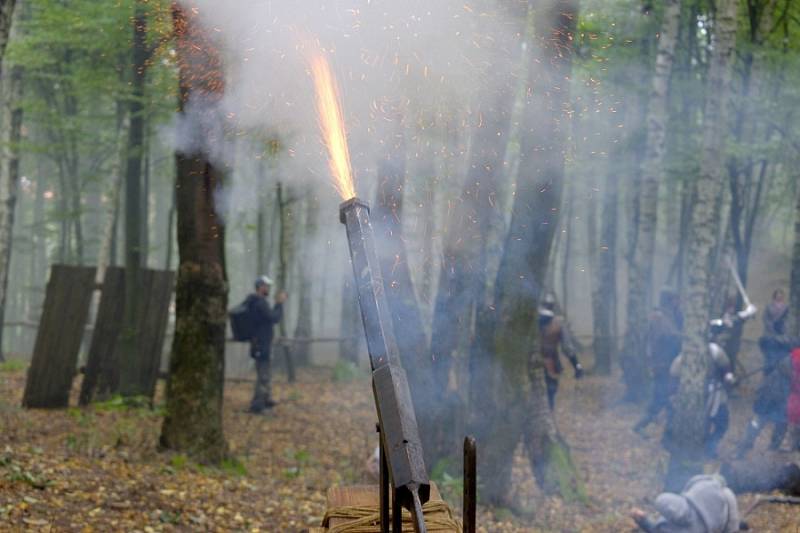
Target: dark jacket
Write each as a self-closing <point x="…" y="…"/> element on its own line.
<point x="664" y="340"/>
<point x="265" y="320"/>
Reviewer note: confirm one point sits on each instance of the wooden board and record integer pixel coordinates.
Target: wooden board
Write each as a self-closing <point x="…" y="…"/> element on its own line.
<point x="152" y="325"/>
<point x="58" y="339"/>
<point x="100" y="375"/>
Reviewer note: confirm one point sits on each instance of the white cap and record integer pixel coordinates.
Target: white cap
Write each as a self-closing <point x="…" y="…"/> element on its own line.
<point x="263" y="280"/>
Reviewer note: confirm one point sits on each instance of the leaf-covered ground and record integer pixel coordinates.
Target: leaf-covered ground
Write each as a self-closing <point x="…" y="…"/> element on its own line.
<point x="99" y="469"/>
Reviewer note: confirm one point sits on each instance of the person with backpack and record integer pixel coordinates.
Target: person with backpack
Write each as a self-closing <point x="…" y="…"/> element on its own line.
<point x="254" y="321"/>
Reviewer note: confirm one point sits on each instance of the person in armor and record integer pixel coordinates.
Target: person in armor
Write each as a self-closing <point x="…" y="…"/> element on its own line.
<point x="554" y="333"/>
<point x="773" y="393"/>
<point x="720" y="379"/>
<point x="664" y="343"/>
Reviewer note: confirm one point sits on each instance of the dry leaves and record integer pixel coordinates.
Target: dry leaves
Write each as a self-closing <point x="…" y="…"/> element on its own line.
<point x="98" y="469"/>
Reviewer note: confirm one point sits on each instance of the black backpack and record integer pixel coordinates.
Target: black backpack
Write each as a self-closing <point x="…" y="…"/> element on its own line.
<point x="242" y="322"/>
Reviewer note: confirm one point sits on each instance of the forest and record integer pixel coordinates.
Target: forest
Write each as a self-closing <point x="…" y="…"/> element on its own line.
<point x="549" y="249"/>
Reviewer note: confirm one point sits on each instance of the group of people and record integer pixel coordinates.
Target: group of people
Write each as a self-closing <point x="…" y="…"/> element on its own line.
<point x="777" y="398"/>
<point x="705" y="504"/>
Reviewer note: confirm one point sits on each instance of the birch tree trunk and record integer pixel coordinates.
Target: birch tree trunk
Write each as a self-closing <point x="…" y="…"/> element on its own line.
<point x="193" y="423"/>
<point x="686" y="428"/>
<point x="517" y="389"/>
<point x="9" y="176"/>
<point x="640" y="287"/>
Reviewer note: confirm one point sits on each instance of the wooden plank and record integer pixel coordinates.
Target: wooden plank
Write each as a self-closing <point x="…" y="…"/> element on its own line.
<point x="101" y="374"/>
<point x="58" y="339"/>
<point x="153" y="328"/>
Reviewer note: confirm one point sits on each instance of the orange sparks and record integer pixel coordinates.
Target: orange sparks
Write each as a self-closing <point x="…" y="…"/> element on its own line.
<point x="331" y="122"/>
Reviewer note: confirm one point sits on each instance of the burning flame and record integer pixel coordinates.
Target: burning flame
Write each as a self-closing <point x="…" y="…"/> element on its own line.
<point x="331" y="122"/>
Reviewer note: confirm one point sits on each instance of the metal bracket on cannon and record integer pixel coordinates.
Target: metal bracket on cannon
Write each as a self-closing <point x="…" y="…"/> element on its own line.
<point x="401" y="458"/>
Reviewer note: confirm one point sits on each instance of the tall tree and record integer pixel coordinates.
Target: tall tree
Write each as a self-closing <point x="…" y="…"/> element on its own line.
<point x="11" y="93"/>
<point x="303" y="328"/>
<point x="518" y="389"/>
<point x="131" y="365"/>
<point x="651" y="175"/>
<point x="795" y="275"/>
<point x="686" y="428"/>
<point x="463" y="272"/>
<point x="747" y="171"/>
<point x="9" y="176"/>
<point x="193" y="424"/>
<point x="6" y="16"/>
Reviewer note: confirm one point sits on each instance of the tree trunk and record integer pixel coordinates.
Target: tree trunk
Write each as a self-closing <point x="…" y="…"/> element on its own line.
<point x="604" y="296"/>
<point x="104" y="253"/>
<point x="9" y="177"/>
<point x="518" y="390"/>
<point x="686" y="428"/>
<point x="303" y="328"/>
<point x="746" y="176"/>
<point x="285" y="255"/>
<point x="795" y="276"/>
<point x="460" y="298"/>
<point x="6" y="17"/>
<point x="640" y="286"/>
<point x="193" y="423"/>
<point x="130" y="365"/>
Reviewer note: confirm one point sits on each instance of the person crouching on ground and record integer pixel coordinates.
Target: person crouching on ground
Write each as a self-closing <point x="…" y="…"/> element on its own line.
<point x="705" y="505"/>
<point x="264" y="320"/>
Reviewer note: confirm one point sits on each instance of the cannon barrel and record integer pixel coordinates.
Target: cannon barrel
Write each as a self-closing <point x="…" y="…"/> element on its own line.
<point x="400" y="438"/>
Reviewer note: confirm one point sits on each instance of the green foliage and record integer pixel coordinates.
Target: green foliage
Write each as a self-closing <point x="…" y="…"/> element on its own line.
<point x="12" y="365"/>
<point x="234" y="466"/>
<point x="451" y="485"/>
<point x="345" y="371"/>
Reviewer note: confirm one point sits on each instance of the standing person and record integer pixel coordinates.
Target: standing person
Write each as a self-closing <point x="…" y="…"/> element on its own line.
<point x="773" y="393"/>
<point x="664" y="343"/>
<point x="553" y="334"/>
<point x="793" y="405"/>
<point x="720" y="378"/>
<point x="264" y="320"/>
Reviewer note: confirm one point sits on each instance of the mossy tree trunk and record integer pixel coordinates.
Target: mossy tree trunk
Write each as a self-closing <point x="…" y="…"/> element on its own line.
<point x="517" y="386"/>
<point x="651" y="175"/>
<point x="193" y="424"/>
<point x="686" y="428"/>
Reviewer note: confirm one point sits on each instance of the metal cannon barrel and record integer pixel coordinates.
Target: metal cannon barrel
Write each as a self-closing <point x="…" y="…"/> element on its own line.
<point x="400" y="438"/>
